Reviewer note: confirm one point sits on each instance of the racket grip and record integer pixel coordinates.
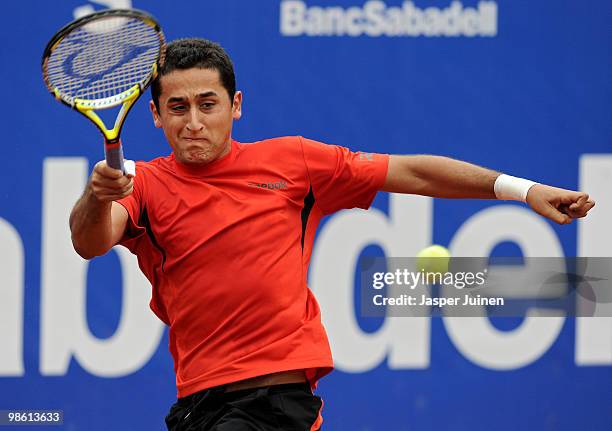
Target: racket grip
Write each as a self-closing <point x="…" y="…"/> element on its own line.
<point x="114" y="155"/>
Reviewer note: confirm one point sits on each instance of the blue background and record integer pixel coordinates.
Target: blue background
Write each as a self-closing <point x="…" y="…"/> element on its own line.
<point x="528" y="101"/>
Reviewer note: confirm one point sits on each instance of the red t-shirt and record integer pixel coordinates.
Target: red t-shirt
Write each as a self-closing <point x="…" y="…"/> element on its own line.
<point x="226" y="248"/>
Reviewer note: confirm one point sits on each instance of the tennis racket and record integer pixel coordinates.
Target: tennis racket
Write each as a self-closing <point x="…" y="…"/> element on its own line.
<point x="103" y="60"/>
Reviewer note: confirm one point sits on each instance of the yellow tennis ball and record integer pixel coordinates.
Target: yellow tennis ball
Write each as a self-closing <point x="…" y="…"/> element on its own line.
<point x="433" y="259"/>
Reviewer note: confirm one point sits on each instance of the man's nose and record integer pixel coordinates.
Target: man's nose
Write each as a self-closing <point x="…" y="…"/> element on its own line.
<point x="194" y="123"/>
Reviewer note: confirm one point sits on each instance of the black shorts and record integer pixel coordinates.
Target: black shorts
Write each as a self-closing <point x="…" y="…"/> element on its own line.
<point x="286" y="407"/>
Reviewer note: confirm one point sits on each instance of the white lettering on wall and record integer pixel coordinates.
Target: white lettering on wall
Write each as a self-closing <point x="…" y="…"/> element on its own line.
<point x="11" y="301"/>
<point x="475" y="337"/>
<point x="65" y="333"/>
<point x="376" y="19"/>
<point x="407" y="229"/>
<point x="594" y="334"/>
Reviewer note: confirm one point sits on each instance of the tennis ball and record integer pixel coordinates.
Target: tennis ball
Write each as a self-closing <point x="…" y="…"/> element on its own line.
<point x="433" y="259"/>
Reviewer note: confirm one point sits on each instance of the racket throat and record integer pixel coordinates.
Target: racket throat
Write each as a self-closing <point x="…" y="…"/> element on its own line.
<point x="88" y="109"/>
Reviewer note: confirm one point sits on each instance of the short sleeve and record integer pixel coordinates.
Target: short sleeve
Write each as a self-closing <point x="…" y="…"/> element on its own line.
<point x="341" y="178"/>
<point x="134" y="204"/>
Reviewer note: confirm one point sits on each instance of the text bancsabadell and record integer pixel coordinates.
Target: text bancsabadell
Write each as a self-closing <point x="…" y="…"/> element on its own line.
<point x="375" y="19"/>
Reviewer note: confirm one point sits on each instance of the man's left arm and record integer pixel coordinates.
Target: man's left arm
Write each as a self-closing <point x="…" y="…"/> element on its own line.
<point x="443" y="177"/>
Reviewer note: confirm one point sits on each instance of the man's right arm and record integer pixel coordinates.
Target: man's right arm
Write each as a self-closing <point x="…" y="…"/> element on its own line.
<point x="97" y="222"/>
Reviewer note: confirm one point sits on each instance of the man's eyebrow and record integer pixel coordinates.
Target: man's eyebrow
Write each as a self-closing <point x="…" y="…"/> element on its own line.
<point x="208" y="94"/>
<point x="175" y="99"/>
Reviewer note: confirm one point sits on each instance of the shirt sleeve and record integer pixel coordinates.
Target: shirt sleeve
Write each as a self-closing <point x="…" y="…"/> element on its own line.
<point x="342" y="179"/>
<point x="134" y="204"/>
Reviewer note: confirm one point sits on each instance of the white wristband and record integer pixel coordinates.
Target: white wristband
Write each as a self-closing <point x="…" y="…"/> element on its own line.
<point x="130" y="167"/>
<point x="512" y="188"/>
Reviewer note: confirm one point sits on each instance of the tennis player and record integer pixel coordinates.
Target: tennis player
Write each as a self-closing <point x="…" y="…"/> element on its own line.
<point x="224" y="231"/>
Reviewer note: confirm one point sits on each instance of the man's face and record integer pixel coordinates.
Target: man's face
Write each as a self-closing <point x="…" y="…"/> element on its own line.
<point x="196" y="114"/>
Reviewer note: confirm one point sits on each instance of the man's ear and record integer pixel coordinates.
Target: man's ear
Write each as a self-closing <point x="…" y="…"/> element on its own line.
<point x="237" y="106"/>
<point x="156" y="118"/>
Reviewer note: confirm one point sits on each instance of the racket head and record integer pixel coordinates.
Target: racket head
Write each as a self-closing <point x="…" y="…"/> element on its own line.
<point x="103" y="59"/>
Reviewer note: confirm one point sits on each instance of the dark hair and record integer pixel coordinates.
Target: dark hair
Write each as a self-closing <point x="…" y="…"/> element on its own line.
<point x="198" y="53"/>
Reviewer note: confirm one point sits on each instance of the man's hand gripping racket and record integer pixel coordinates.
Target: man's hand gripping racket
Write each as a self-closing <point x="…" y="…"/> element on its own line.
<point x="103" y="60"/>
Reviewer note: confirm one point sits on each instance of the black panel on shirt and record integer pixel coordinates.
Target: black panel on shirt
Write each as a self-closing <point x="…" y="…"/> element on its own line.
<point x="309" y="201"/>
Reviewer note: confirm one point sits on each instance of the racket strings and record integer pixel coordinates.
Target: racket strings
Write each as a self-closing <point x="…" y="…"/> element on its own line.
<point x="107" y="81"/>
<point x="103" y="58"/>
<point x="99" y="51"/>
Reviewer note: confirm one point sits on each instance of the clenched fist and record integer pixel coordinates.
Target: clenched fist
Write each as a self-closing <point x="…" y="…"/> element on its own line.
<point x="559" y="205"/>
<point x="108" y="184"/>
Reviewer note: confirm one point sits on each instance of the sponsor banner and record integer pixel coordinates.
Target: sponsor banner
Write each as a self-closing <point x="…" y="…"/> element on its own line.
<point x="376" y="18"/>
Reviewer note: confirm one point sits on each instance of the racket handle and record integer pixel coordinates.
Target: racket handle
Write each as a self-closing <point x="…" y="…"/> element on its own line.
<point x="114" y="155"/>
